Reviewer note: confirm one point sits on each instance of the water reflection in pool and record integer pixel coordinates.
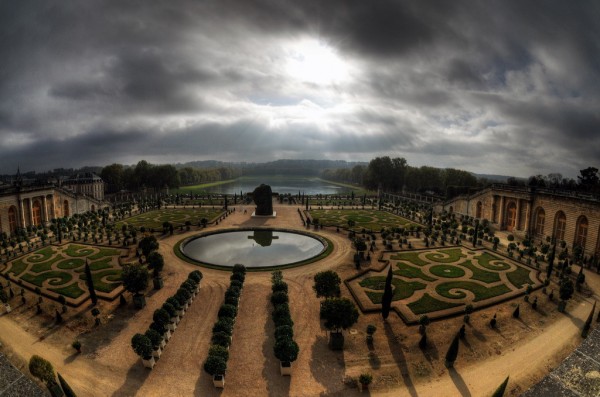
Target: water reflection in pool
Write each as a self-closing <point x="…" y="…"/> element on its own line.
<point x="253" y="248"/>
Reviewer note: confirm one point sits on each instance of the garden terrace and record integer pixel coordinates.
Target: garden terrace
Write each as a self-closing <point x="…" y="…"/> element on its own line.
<point x="370" y="220"/>
<point x="440" y="282"/>
<point x="59" y="270"/>
<point x="175" y="216"/>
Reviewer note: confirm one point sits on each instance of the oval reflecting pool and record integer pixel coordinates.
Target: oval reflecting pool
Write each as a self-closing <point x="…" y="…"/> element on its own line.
<point x="253" y="248"/>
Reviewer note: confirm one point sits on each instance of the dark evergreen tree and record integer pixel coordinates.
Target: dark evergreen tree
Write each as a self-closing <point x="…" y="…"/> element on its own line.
<point x="588" y="322"/>
<point x="423" y="341"/>
<point x="500" y="390"/>
<point x="551" y="262"/>
<point x="462" y="331"/>
<point x="66" y="388"/>
<point x="388" y="294"/>
<point x="475" y="235"/>
<point x="90" y="283"/>
<point x="493" y="321"/>
<point x="452" y="352"/>
<point x="517" y="312"/>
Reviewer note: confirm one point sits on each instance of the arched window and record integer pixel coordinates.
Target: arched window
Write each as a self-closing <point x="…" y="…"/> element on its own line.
<point x="581" y="232"/>
<point x="540" y="220"/>
<point x="560" y="224"/>
<point x="511" y="216"/>
<point x="37" y="213"/>
<point x="479" y="210"/>
<point x="12" y="219"/>
<point x="66" y="208"/>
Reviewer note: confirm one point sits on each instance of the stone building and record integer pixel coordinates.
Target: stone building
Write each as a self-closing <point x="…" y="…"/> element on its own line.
<point x="86" y="183"/>
<point x="541" y="213"/>
<point x="37" y="204"/>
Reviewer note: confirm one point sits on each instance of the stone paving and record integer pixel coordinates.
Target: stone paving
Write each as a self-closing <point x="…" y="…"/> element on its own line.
<point x="578" y="375"/>
<point x="13" y="383"/>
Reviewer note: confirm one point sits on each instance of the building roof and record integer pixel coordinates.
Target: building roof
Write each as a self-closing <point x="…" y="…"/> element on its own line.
<point x="83" y="177"/>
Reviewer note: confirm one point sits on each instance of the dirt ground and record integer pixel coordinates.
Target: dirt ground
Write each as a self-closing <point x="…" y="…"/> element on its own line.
<point x="526" y="349"/>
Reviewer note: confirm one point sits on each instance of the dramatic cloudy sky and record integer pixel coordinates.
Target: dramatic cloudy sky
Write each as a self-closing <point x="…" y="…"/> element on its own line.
<point x="504" y="87"/>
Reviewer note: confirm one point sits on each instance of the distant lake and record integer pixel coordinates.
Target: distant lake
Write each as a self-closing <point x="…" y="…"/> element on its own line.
<point x="279" y="184"/>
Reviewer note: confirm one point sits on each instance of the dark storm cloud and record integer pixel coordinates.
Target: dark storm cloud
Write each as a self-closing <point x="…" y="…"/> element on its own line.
<point x="494" y="87"/>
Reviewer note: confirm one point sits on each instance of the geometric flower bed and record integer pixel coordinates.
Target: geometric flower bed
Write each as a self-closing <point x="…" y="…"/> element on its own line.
<point x="176" y="216"/>
<point x="369" y="219"/>
<point x="440" y="282"/>
<point x="59" y="270"/>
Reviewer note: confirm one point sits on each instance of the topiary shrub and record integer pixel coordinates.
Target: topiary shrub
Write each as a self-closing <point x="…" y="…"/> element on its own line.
<point x="221" y="339"/>
<point x="196" y="275"/>
<point x="155" y="337"/>
<point x="227" y="311"/>
<point x="280" y="286"/>
<point x="220" y="351"/>
<point x="224" y="324"/>
<point x="286" y="349"/>
<point x="284" y="331"/>
<point x="238" y="268"/>
<point x="41" y="369"/>
<point x="215" y="365"/>
<point x="279" y="297"/>
<point x="169" y="308"/>
<point x="142" y="345"/>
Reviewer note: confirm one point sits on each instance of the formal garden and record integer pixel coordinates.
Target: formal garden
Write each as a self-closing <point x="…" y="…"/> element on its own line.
<point x="57" y="271"/>
<point x="370" y="220"/>
<point x="178" y="217"/>
<point x="441" y="282"/>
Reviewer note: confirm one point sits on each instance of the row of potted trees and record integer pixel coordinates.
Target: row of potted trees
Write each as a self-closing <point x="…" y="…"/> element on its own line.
<point x="285" y="348"/>
<point x="150" y="344"/>
<point x="218" y="353"/>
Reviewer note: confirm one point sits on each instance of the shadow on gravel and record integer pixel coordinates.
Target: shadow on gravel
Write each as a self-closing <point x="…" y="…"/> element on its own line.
<point x="398" y="355"/>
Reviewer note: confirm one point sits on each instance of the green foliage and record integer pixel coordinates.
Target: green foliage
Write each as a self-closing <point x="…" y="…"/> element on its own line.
<point x="141" y="345"/>
<point x="195" y="275"/>
<point x="279" y="297"/>
<point x="161" y="317"/>
<point x="154" y="336"/>
<point x="365" y="379"/>
<point x="220" y="351"/>
<point x="227" y="311"/>
<point x="280" y="286"/>
<point x="221" y="339"/>
<point x="156" y="262"/>
<point x="566" y="289"/>
<point x="170" y="309"/>
<point x="284" y="331"/>
<point x="135" y="278"/>
<point x="148" y="244"/>
<point x="41" y="369"/>
<point x="215" y="365"/>
<point x="338" y="313"/>
<point x="327" y="284"/>
<point x="225" y="325"/>
<point x="286" y="349"/>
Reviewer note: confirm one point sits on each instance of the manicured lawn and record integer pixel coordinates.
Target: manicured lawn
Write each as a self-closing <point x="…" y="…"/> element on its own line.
<point x="412" y="257"/>
<point x="447" y="271"/>
<point x="519" y="278"/>
<point x="408" y="271"/>
<point x="402" y="289"/>
<point x="428" y="304"/>
<point x="42" y="255"/>
<point x="485" y="258"/>
<point x="55" y="277"/>
<point x="71" y="291"/>
<point x="450" y="255"/>
<point x="479" y="274"/>
<point x="17" y="267"/>
<point x="480" y="291"/>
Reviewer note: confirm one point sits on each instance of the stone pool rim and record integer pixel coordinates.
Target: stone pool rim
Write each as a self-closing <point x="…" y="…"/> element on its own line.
<point x="327" y="249"/>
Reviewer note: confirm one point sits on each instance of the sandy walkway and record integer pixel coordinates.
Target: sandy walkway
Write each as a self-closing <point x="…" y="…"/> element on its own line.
<point x="108" y="365"/>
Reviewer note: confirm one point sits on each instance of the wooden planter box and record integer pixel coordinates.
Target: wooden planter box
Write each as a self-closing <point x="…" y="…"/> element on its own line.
<point x="172" y="326"/>
<point x="285" y="367"/>
<point x="156" y="353"/>
<point x="148" y="362"/>
<point x="139" y="301"/>
<point x="219" y="381"/>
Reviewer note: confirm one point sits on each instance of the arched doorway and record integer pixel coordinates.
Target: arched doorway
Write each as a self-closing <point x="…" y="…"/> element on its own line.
<point x="37" y="213"/>
<point x="560" y="224"/>
<point x="539" y="221"/>
<point x="581" y="232"/>
<point x="12" y="219"/>
<point x="478" y="210"/>
<point x="511" y="216"/>
<point x="66" y="208"/>
<point x="93" y="208"/>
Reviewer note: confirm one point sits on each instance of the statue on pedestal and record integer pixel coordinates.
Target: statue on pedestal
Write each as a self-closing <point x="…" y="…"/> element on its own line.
<point x="262" y="196"/>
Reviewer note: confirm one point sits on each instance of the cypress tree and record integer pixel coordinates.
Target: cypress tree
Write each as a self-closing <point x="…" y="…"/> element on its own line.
<point x="452" y="352"/>
<point x="588" y="323"/>
<point x="66" y="388"/>
<point x="500" y="390"/>
<point x="386" y="299"/>
<point x="493" y="321"/>
<point x="423" y="341"/>
<point x="516" y="312"/>
<point x="90" y="283"/>
<point x="475" y="235"/>
<point x="551" y="262"/>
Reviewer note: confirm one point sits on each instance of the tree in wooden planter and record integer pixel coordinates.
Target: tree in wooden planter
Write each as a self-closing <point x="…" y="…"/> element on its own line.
<point x="216" y="366"/>
<point x="156" y="341"/>
<point x="279" y="297"/>
<point x="161" y="317"/>
<point x="224" y="324"/>
<point x="221" y="339"/>
<point x="286" y="350"/>
<point x="227" y="311"/>
<point x="339" y="314"/>
<point x="281" y="316"/>
<point x="195" y="275"/>
<point x="365" y="380"/>
<point x="135" y="280"/>
<point x="156" y="263"/>
<point x="175" y="303"/>
<point x="162" y="330"/>
<point x="284" y="331"/>
<point x="142" y="346"/>
<point x="76" y="345"/>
